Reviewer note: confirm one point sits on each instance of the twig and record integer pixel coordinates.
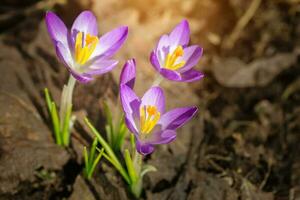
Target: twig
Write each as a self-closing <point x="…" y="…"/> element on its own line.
<point x="243" y="21"/>
<point x="263" y="183"/>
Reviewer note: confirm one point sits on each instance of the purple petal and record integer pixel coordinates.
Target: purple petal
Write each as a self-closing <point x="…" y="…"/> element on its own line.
<point x="111" y="42"/>
<point x="191" y="56"/>
<point x="86" y="22"/>
<point x="154" y="60"/>
<point x="170" y="74"/>
<point x="163" y="42"/>
<point x="130" y="123"/>
<point x="143" y="148"/>
<point x="130" y="102"/>
<point x="128" y="73"/>
<point x="177" y="117"/>
<point x="154" y="97"/>
<point x="180" y="34"/>
<point x="101" y="66"/>
<point x="82" y="78"/>
<point x="64" y="55"/>
<point x="57" y="29"/>
<point x="191" y="75"/>
<point x="162" y="137"/>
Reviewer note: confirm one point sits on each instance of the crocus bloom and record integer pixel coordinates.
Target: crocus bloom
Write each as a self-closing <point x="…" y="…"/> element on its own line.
<point x="128" y="73"/>
<point x="174" y="59"/>
<point x="80" y="49"/>
<point x="146" y="117"/>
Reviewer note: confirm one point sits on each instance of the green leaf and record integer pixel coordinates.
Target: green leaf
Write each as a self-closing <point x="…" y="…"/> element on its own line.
<point x="147" y="168"/>
<point x="109" y="128"/>
<point x="66" y="127"/>
<point x="130" y="167"/>
<point x="48" y="99"/>
<point x="109" y="159"/>
<point x="55" y="122"/>
<point x="132" y="142"/>
<point x="54" y="116"/>
<point x="108" y="114"/>
<point x="109" y="135"/>
<point x="95" y="162"/>
<point x="86" y="161"/>
<point x="122" y="130"/>
<point x="109" y="124"/>
<point x="92" y="151"/>
<point x="109" y="151"/>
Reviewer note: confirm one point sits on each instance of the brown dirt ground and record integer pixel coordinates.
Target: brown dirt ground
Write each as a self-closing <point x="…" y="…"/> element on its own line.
<point x="243" y="144"/>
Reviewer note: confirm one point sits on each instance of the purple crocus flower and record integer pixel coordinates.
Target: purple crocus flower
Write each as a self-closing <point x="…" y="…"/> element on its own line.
<point x="146" y="117"/>
<point x="80" y="49"/>
<point x="174" y="59"/>
<point x="128" y="73"/>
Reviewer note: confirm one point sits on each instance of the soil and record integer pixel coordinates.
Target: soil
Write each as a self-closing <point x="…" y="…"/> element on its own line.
<point x="242" y="145"/>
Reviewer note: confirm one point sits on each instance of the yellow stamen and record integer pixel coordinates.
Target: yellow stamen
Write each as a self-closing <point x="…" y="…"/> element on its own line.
<point x="172" y="58"/>
<point x="84" y="49"/>
<point x="149" y="117"/>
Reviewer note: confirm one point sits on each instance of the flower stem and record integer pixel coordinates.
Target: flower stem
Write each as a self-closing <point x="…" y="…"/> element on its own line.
<point x="158" y="79"/>
<point x="65" y="110"/>
<point x="137" y="186"/>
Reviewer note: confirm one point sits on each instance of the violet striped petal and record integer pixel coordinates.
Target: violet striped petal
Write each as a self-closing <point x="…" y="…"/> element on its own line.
<point x="130" y="123"/>
<point x="180" y="34"/>
<point x="64" y="54"/>
<point x="128" y="73"/>
<point x="143" y="148"/>
<point x="111" y="42"/>
<point x="154" y="60"/>
<point x="57" y="29"/>
<point x="101" y="66"/>
<point x="154" y="97"/>
<point x="191" y="56"/>
<point x="170" y="74"/>
<point x="191" y="76"/>
<point x="177" y="117"/>
<point x="86" y="22"/>
<point x="163" y="42"/>
<point x="130" y="102"/>
<point x="65" y="57"/>
<point x="162" y="137"/>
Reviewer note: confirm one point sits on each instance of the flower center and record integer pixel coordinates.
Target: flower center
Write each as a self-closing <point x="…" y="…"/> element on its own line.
<point x="149" y="117"/>
<point x="84" y="47"/>
<point x="173" y="57"/>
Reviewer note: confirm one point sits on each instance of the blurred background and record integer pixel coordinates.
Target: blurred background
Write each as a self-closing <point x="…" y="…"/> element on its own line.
<point x="244" y="142"/>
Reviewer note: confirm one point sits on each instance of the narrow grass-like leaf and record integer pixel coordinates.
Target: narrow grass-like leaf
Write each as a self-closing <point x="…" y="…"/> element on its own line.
<point x="109" y="159"/>
<point x="104" y="144"/>
<point x="132" y="142"/>
<point x="95" y="162"/>
<point x="122" y="130"/>
<point x="130" y="166"/>
<point x="117" y="166"/>
<point x="109" y="127"/>
<point x="86" y="161"/>
<point x="108" y="114"/>
<point x="66" y="127"/>
<point x="109" y="135"/>
<point x="109" y="151"/>
<point x="92" y="151"/>
<point x="55" y="121"/>
<point x="48" y="99"/>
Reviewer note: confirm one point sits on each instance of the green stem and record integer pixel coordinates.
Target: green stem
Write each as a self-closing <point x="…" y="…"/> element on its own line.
<point x="137" y="186"/>
<point x="65" y="106"/>
<point x="158" y="79"/>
